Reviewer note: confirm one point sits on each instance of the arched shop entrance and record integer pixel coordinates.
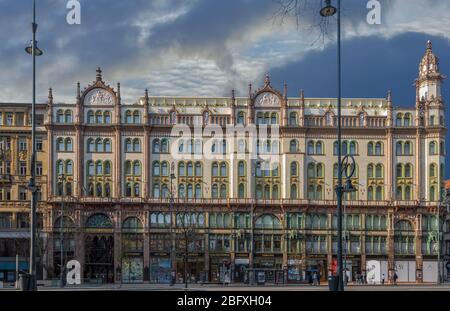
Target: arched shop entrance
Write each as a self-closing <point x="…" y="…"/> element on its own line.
<point x="99" y="249"/>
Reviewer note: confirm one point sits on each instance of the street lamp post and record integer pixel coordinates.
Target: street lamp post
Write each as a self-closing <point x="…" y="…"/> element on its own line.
<point x="34" y="51"/>
<point x="173" y="236"/>
<point x="62" y="179"/>
<point x="252" y="233"/>
<point x="329" y="11"/>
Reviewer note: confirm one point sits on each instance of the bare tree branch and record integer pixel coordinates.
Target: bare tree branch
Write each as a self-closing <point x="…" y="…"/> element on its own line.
<point x="306" y="15"/>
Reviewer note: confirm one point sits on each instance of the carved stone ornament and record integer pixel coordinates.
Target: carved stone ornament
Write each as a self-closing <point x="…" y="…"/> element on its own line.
<point x="99" y="97"/>
<point x="267" y="100"/>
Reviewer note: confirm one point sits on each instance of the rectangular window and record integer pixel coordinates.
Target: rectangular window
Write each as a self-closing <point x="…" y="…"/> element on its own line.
<point x="8" y="167"/>
<point x="22" y="144"/>
<point x="22" y="193"/>
<point x="1" y="118"/>
<point x="38" y="144"/>
<point x="23" y="221"/>
<point x="8" y="194"/>
<point x="39" y="169"/>
<point x="1" y="168"/>
<point x="9" y="119"/>
<point x="20" y="119"/>
<point x="22" y="168"/>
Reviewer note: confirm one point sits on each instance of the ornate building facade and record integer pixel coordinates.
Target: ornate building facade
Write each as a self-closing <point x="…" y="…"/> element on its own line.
<point x="149" y="187"/>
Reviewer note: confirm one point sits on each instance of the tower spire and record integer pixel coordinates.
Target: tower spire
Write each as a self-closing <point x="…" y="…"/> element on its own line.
<point x="99" y="74"/>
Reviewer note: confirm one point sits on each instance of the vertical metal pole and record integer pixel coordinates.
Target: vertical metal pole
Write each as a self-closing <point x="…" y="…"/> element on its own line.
<point x="61" y="232"/>
<point x="17" y="271"/>
<point x="339" y="186"/>
<point x="439" y="243"/>
<point x="32" y="185"/>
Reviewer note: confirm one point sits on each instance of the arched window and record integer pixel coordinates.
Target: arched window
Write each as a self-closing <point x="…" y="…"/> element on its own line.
<point x="137" y="168"/>
<point x="223" y="191"/>
<point x="99" y="221"/>
<point x="335" y="148"/>
<point x="132" y="224"/>
<point x="407" y="147"/>
<point x="379" y="171"/>
<point x="370" y="149"/>
<point x="190" y="169"/>
<point x="99" y="190"/>
<point x="275" y="147"/>
<point x="319" y="147"/>
<point x="442" y="148"/>
<point x="91" y="118"/>
<point x="293" y="146"/>
<point x="107" y="117"/>
<point x="223" y="169"/>
<point x="107" y="190"/>
<point x="60" y="144"/>
<point x="378" y="148"/>
<point x="128" y="168"/>
<point x="399" y="170"/>
<point x="91" y="189"/>
<point x="198" y="191"/>
<point x="128" y="190"/>
<point x="311" y="170"/>
<point x="294" y="191"/>
<point x="137" y="117"/>
<point x="408" y="170"/>
<point x="59" y="167"/>
<point x="215" y="191"/>
<point x="407" y="119"/>
<point x="275" y="192"/>
<point x="353" y="149"/>
<point x="68" y="116"/>
<point x="293" y="118"/>
<point x="99" y="145"/>
<point x="399" y="148"/>
<point x="198" y="169"/>
<point x="319" y="170"/>
<point x="215" y="169"/>
<point x="69" y="144"/>
<point x="181" y="169"/>
<point x="433" y="148"/>
<point x="91" y="168"/>
<point x="128" y="145"/>
<point x="241" y="169"/>
<point x="370" y="171"/>
<point x="128" y="117"/>
<point x="90" y="145"/>
<point x="156" y="146"/>
<point x="156" y="169"/>
<point x="408" y="193"/>
<point x="99" y="168"/>
<point x="60" y="116"/>
<point x="107" y="168"/>
<point x="259" y="193"/>
<point x="164" y="146"/>
<point x="181" y="191"/>
<point x="156" y="191"/>
<point x="398" y="121"/>
<point x="379" y="193"/>
<point x="190" y="191"/>
<point x="370" y="193"/>
<point x="274" y="118"/>
<point x="433" y="170"/>
<point x="310" y="147"/>
<point x="98" y="117"/>
<point x="432" y="193"/>
<point x="165" y="191"/>
<point x="241" y="118"/>
<point x="107" y="144"/>
<point x="69" y="167"/>
<point x="137" y="190"/>
<point x="294" y="169"/>
<point x="241" y="191"/>
<point x="344" y="148"/>
<point x="266" y="192"/>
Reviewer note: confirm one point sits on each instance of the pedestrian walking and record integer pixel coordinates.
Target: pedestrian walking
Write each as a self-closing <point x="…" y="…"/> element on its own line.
<point x="315" y="279"/>
<point x="382" y="279"/>
<point x="395" y="278"/>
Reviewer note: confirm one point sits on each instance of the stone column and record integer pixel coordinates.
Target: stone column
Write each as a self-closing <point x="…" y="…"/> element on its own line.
<point x="390" y="178"/>
<point x="418" y="252"/>
<point x="390" y="245"/>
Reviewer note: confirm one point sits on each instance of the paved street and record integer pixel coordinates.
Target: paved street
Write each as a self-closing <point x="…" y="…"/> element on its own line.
<point x="195" y="287"/>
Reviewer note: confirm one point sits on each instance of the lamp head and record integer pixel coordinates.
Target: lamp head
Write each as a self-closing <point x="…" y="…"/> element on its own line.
<point x="328" y="10"/>
<point x="29" y="50"/>
<point x="349" y="186"/>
